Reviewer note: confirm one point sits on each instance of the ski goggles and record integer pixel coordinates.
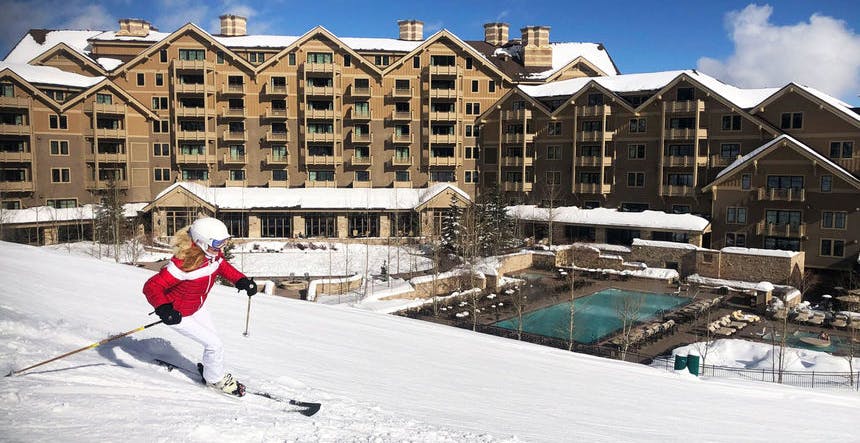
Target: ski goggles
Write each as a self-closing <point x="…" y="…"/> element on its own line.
<point x="218" y="244"/>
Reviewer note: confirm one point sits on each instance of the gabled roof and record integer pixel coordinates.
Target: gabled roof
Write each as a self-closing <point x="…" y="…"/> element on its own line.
<point x="35" y="91"/>
<point x="318" y="30"/>
<point x="49" y="75"/>
<point x="444" y="33"/>
<point x="38" y="41"/>
<point x="504" y="99"/>
<point x="83" y="58"/>
<point x="237" y="198"/>
<point x="835" y="105"/>
<point x="787" y="141"/>
<point x="107" y="83"/>
<point x="508" y="59"/>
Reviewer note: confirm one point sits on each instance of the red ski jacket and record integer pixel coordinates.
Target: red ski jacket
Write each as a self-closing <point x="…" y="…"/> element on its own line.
<point x="187" y="290"/>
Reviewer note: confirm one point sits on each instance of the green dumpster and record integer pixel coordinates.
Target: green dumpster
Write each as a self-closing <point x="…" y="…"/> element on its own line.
<point x="680" y="362"/>
<point x="692" y="364"/>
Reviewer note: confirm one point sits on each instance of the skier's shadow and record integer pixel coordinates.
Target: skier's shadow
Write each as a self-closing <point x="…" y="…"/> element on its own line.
<point x="146" y="350"/>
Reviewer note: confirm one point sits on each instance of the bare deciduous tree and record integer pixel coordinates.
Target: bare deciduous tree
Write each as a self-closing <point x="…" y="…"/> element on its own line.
<point x="627" y="309"/>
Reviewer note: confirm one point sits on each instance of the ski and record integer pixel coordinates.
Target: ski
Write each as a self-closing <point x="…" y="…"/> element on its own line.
<point x="302" y="407"/>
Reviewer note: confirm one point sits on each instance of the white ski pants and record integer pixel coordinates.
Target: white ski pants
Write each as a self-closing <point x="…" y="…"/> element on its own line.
<point x="199" y="327"/>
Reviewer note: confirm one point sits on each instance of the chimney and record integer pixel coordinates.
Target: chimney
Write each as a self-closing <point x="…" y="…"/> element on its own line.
<point x="411" y="30"/>
<point x="134" y="27"/>
<point x="496" y="34"/>
<point x="233" y="25"/>
<point x="537" y="53"/>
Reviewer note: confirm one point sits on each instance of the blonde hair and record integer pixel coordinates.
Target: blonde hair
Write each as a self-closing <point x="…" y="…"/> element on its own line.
<point x="185" y="249"/>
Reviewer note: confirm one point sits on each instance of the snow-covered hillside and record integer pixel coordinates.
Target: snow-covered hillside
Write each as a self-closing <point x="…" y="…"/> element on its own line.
<point x="379" y="377"/>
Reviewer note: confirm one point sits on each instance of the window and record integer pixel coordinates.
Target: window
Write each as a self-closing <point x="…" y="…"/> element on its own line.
<point x="791" y="120"/>
<point x="401" y="85"/>
<point x="518" y="105"/>
<point x="785" y="182"/>
<point x="470" y="177"/>
<point x="443" y="60"/>
<point x="141" y="79"/>
<point x="256" y="57"/>
<point x="746" y="180"/>
<point x="60" y="175"/>
<point x="736" y="215"/>
<point x="589" y="151"/>
<point x="679" y="179"/>
<point x="468" y="129"/>
<point x="159" y="79"/>
<point x="195" y="174"/>
<point x="276" y="225"/>
<point x="833" y="220"/>
<point x="682" y="123"/>
<point x="442" y="176"/>
<point x="60" y="203"/>
<point x="736" y="239"/>
<point x="59" y="147"/>
<point x="730" y="150"/>
<point x="491" y="86"/>
<point x="832" y="248"/>
<point x="681" y="209"/>
<point x="473" y="108"/>
<point x="321" y="176"/>
<point x="416" y="62"/>
<point x="105" y="99"/>
<point x="635" y="179"/>
<point x="471" y="152"/>
<point x="468" y="62"/>
<point x="595" y="99"/>
<point x="591" y="126"/>
<point x="219" y="57"/>
<point x="236" y="175"/>
<point x="161" y="126"/>
<point x="7" y="90"/>
<point x="58" y="122"/>
<point x="161" y="174"/>
<point x="382" y="60"/>
<point x="319" y="57"/>
<point x="783" y="243"/>
<point x="475" y="87"/>
<point x="782" y="217"/>
<point x="638" y="125"/>
<point x="685" y="94"/>
<point x="589" y="177"/>
<point x="279" y="175"/>
<point x="826" y="183"/>
<point x="636" y="152"/>
<point x="553" y="128"/>
<point x="159" y="103"/>
<point x="401" y="176"/>
<point x="160" y="150"/>
<point x="634" y="207"/>
<point x="362" y="176"/>
<point x="363" y="225"/>
<point x="320" y="225"/>
<point x="841" y="149"/>
<point x="291" y="59"/>
<point x="685" y="150"/>
<point x="162" y="55"/>
<point x="553" y="152"/>
<point x="731" y="123"/>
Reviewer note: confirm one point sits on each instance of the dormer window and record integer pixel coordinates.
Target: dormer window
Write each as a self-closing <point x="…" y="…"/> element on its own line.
<point x="685" y="94"/>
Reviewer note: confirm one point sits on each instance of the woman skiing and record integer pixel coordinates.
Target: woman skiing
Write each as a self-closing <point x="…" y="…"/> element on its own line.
<point x="178" y="292"/>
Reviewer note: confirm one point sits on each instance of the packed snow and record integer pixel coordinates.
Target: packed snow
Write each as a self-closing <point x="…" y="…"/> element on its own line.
<point x="379" y="377"/>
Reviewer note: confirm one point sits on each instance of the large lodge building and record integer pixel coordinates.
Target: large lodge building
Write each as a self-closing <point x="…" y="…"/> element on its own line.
<point x="551" y="124"/>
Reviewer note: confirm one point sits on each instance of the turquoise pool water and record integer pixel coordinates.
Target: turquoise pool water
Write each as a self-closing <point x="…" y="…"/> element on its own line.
<point x="837" y="343"/>
<point x="596" y="315"/>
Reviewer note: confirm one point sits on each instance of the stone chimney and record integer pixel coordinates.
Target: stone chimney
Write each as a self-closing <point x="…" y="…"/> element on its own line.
<point x="496" y="34"/>
<point x="134" y="27"/>
<point x="537" y="53"/>
<point x="233" y="25"/>
<point x="411" y="30"/>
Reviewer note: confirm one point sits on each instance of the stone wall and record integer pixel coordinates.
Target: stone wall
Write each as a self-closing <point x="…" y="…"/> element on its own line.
<point x="682" y="258"/>
<point x="584" y="256"/>
<point x="445" y="283"/>
<point x="752" y="267"/>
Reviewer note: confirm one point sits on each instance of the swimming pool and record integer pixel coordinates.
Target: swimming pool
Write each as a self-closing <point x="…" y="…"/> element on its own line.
<point x="595" y="316"/>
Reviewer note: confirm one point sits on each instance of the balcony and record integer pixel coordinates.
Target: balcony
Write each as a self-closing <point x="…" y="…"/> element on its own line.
<point x="442" y="161"/>
<point x="443" y="115"/>
<point x="194" y="88"/>
<point x="787" y="194"/>
<point x="516" y="186"/>
<point x="403" y="184"/>
<point x="231" y="159"/>
<point x="401" y="115"/>
<point x="593" y="160"/>
<point x="234" y="136"/>
<point x="780" y="230"/>
<point x="685" y="106"/>
<point x="277" y="159"/>
<point x="444" y="70"/>
<point x="362" y="161"/>
<point x="7" y="129"/>
<point x="324" y="91"/>
<point x="105" y="184"/>
<point x="233" y="112"/>
<point x="16" y="156"/>
<point x="517" y="138"/>
<point x="593" y="111"/>
<point x="106" y="108"/>
<point x="320" y="137"/>
<point x="233" y="89"/>
<point x="320" y="184"/>
<point x="323" y="114"/>
<point x="401" y="160"/>
<point x="321" y="68"/>
<point x="190" y="112"/>
<point x="678" y="191"/>
<point x="277" y="136"/>
<point x="720" y="161"/>
<point x="513" y="161"/>
<point x="320" y="160"/>
<point x="517" y="114"/>
<point x="278" y="183"/>
<point x="194" y="65"/>
<point x="109" y="132"/>
<point x="679" y="160"/>
<point x="357" y="91"/>
<point x="275" y="114"/>
<point x="360" y="114"/>
<point x="15" y="102"/>
<point x="275" y="90"/>
<point x="443" y="138"/>
<point x="191" y="135"/>
<point x="17" y="186"/>
<point x="592" y="188"/>
<point x="594" y="136"/>
<point x="443" y="93"/>
<point x="362" y="184"/>
<point x="234" y="183"/>
<point x="401" y="138"/>
<point x="686" y="134"/>
<point x="104" y="157"/>
<point x="362" y="137"/>
<point x="402" y="92"/>
<point x="192" y="158"/>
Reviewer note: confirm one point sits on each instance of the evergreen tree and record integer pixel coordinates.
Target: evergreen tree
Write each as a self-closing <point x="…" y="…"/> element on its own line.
<point x="452" y="227"/>
<point x="496" y="229"/>
<point x="110" y="222"/>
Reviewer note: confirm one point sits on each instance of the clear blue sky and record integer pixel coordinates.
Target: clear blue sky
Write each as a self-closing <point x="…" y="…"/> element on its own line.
<point x="640" y="36"/>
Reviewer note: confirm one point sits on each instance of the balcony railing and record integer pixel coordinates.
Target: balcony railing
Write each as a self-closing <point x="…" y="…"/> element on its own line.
<point x="362" y="161"/>
<point x="234" y="136"/>
<point x="360" y="115"/>
<point x="593" y="111"/>
<point x="14" y="102"/>
<point x="678" y="191"/>
<point x="104" y="157"/>
<point x="191" y="135"/>
<point x="319" y="90"/>
<point x="323" y="68"/>
<point x="16" y="156"/>
<point x="319" y="159"/>
<point x="444" y="70"/>
<point x="679" y="160"/>
<point x="781" y="230"/>
<point x="326" y="114"/>
<point x="190" y="64"/>
<point x="320" y="184"/>
<point x="109" y="132"/>
<point x="17" y="186"/>
<point x="357" y="91"/>
<point x="443" y="93"/>
<point x="273" y="90"/>
<point x="237" y="159"/>
<point x="512" y="161"/>
<point x="276" y="113"/>
<point x="232" y="89"/>
<point x="403" y="184"/>
<point x="189" y="158"/>
<point x="718" y="160"/>
<point x="443" y="138"/>
<point x="234" y="112"/>
<point x="442" y="161"/>
<point x="517" y="138"/>
<point x="685" y="106"/>
<point x="362" y="137"/>
<point x="401" y="115"/>
<point x="778" y="194"/>
<point x="443" y="115"/>
<point x="401" y="160"/>
<point x="592" y="188"/>
<point x="105" y="184"/>
<point x="506" y="186"/>
<point x="183" y="111"/>
<point x="321" y="137"/>
<point x="277" y="159"/>
<point x="278" y="183"/>
<point x="594" y="160"/>
<point x="594" y="136"/>
<point x="686" y="134"/>
<point x="194" y="88"/>
<point x="277" y="136"/>
<point x="232" y="183"/>
<point x="517" y="114"/>
<point x="7" y="129"/>
<point x="401" y="138"/>
<point x="401" y="92"/>
<point x="106" y="108"/>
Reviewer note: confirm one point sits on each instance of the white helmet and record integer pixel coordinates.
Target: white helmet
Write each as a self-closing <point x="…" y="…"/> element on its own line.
<point x="208" y="233"/>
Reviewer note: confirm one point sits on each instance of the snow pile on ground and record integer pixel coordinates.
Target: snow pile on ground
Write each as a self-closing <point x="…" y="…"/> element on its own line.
<point x="751" y="355"/>
<point x="379" y="377"/>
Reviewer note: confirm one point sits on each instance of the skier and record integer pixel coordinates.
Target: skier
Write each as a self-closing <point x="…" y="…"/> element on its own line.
<point x="178" y="292"/>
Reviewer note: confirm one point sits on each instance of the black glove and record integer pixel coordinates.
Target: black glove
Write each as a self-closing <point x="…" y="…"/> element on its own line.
<point x="248" y="285"/>
<point x="168" y="315"/>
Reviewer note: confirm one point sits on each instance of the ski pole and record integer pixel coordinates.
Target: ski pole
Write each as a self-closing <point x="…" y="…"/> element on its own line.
<point x="247" y="317"/>
<point x="85" y="348"/>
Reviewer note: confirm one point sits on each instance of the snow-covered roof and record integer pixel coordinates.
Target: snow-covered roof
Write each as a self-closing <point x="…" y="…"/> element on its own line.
<point x="109" y="63"/>
<point x="152" y="36"/>
<point x="41" y="214"/>
<point x="832" y="101"/>
<point x="755" y="152"/>
<point x="314" y="198"/>
<point x="668" y="244"/>
<point x="612" y="217"/>
<point x="48" y="75"/>
<point x="755" y="251"/>
<point x="566" y="52"/>
<point x="29" y="48"/>
<point x="651" y="81"/>
<point x="282" y="41"/>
